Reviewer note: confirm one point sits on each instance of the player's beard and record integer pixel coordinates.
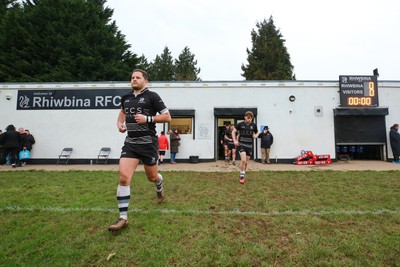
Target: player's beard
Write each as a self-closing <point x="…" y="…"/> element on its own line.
<point x="137" y="87"/>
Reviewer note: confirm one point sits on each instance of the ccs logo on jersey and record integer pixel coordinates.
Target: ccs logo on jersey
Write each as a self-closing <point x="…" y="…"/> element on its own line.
<point x="141" y="100"/>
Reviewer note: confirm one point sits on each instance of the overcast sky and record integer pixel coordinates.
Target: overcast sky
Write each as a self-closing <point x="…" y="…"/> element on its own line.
<point x="324" y="39"/>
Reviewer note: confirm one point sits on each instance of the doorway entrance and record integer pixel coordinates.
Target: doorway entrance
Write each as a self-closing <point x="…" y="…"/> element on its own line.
<point x="225" y="116"/>
<point x="222" y="123"/>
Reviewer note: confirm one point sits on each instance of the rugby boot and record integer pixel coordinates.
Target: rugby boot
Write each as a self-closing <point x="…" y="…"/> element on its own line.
<point x="160" y="197"/>
<point x="118" y="225"/>
<point x="241" y="179"/>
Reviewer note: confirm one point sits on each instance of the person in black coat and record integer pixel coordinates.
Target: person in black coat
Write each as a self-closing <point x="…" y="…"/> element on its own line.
<point x="30" y="140"/>
<point x="11" y="141"/>
<point x="394" y="137"/>
<point x="27" y="141"/>
<point x="267" y="139"/>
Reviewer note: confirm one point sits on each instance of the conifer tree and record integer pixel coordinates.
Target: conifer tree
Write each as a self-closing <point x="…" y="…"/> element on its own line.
<point x="185" y="66"/>
<point x="162" y="69"/>
<point x="143" y="63"/>
<point x="63" y="40"/>
<point x="268" y="59"/>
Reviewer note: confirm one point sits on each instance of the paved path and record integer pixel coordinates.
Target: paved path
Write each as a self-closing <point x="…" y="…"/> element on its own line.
<point x="350" y="165"/>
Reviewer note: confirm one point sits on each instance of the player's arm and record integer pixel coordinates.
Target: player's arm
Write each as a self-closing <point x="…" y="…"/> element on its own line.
<point x="121" y="121"/>
<point x="160" y="118"/>
<point x="226" y="137"/>
<point x="234" y="137"/>
<point x="256" y="132"/>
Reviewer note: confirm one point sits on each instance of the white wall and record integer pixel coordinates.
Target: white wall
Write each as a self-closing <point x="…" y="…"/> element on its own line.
<point x="294" y="124"/>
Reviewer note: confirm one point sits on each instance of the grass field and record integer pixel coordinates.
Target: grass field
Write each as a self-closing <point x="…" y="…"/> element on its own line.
<point x="313" y="218"/>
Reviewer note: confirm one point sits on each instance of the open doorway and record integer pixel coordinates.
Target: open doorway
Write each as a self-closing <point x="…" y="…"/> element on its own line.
<point x="225" y="116"/>
<point x="222" y="123"/>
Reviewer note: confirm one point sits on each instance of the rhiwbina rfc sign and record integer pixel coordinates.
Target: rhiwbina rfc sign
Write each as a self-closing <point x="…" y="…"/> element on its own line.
<point x="70" y="99"/>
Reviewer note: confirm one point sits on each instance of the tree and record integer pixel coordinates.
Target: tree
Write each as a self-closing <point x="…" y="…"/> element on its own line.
<point x="185" y="67"/>
<point x="8" y="9"/>
<point x="268" y="58"/>
<point x="63" y="40"/>
<point x="162" y="69"/>
<point x="143" y="63"/>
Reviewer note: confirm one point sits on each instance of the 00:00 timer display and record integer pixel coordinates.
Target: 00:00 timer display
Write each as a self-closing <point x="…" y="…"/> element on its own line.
<point x="354" y="101"/>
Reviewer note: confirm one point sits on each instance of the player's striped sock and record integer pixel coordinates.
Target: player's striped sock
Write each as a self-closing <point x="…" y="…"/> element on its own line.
<point x="123" y="197"/>
<point x="159" y="183"/>
<point x="242" y="173"/>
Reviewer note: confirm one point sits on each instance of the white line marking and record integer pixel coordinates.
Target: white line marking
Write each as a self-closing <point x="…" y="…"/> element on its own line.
<point x="206" y="212"/>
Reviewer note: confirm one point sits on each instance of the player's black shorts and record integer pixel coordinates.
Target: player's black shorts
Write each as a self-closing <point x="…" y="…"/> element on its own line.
<point x="231" y="146"/>
<point x="148" y="153"/>
<point x="248" y="150"/>
<point x="162" y="152"/>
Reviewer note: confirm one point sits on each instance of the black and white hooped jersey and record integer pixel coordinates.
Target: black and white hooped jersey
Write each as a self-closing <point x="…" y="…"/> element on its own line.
<point x="228" y="134"/>
<point x="246" y="132"/>
<point x="147" y="103"/>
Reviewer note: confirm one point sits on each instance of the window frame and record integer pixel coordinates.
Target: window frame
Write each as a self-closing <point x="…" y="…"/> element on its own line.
<point x="184" y="114"/>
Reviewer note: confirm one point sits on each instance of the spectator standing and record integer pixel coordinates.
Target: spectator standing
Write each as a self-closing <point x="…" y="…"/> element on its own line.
<point x="175" y="143"/>
<point x="22" y="145"/>
<point x="30" y="140"/>
<point x="27" y="142"/>
<point x="267" y="139"/>
<point x="11" y="141"/>
<point x="394" y="137"/>
<point x="163" y="146"/>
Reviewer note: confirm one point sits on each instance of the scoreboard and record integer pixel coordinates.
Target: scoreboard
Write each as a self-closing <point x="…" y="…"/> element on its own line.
<point x="358" y="91"/>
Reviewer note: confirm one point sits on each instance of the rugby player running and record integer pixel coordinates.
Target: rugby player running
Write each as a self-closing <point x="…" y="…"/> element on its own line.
<point x="137" y="117"/>
<point x="247" y="131"/>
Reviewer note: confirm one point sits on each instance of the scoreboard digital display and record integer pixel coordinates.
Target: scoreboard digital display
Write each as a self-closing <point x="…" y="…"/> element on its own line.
<point x="358" y="91"/>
